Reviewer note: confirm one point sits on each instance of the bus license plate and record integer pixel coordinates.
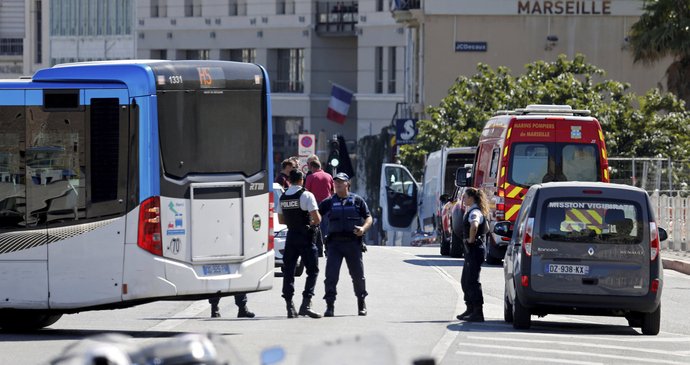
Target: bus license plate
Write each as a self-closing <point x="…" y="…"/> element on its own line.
<point x="567" y="269"/>
<point x="216" y="269"/>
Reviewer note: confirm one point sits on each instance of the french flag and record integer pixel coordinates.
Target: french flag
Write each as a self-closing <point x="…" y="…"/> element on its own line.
<point x="339" y="104"/>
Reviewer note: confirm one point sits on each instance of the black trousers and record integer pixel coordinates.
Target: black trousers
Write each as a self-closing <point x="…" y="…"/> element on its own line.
<point x="240" y="300"/>
<point x="471" y="287"/>
<point x="299" y="244"/>
<point x="351" y="251"/>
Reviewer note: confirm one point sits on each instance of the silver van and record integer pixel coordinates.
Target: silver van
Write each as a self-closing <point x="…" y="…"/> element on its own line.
<point x="584" y="248"/>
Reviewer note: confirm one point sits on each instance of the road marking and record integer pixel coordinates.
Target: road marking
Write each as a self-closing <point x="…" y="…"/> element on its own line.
<point x="576" y="353"/>
<point x="178" y="318"/>
<point x="530" y="358"/>
<point x="584" y="344"/>
<point x="636" y="339"/>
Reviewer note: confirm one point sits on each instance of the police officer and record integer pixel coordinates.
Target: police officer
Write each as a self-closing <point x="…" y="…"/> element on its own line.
<point x="349" y="219"/>
<point x="299" y="211"/>
<point x="240" y="301"/>
<point x="475" y="227"/>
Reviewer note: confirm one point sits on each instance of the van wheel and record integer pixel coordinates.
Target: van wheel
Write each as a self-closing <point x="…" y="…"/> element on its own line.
<point x="651" y="322"/>
<point x="456" y="249"/>
<point x="634" y="320"/>
<point x="26" y="321"/>
<point x="299" y="269"/>
<point x="507" y="307"/>
<point x="521" y="315"/>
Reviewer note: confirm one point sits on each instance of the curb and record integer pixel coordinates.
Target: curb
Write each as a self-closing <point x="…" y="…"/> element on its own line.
<point x="677" y="265"/>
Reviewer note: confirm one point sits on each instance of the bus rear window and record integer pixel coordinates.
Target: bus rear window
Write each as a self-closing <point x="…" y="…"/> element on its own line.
<point x="591" y="221"/>
<point x="211" y="132"/>
<point x="534" y="163"/>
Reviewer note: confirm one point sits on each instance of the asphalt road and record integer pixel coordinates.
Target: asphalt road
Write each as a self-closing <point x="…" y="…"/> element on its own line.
<point x="413" y="299"/>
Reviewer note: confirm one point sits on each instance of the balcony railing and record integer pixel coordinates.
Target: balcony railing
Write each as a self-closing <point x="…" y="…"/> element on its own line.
<point x="337" y="17"/>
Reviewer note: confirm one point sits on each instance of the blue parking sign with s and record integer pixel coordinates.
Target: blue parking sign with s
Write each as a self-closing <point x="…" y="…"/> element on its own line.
<point x="405" y="131"/>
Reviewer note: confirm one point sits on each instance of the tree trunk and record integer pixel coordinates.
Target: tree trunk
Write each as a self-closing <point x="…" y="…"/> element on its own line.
<point x="678" y="79"/>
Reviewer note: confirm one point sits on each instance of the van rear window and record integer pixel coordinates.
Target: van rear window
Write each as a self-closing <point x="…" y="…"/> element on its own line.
<point x="591" y="221"/>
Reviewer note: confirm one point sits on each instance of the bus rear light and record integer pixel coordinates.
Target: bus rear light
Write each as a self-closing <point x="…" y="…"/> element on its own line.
<point x="271" y="208"/>
<point x="654" y="285"/>
<point x="524" y="281"/>
<point x="527" y="237"/>
<point x="149" y="237"/>
<point x="654" y="242"/>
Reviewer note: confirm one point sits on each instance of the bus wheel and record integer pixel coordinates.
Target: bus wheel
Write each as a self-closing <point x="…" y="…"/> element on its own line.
<point x="26" y="321"/>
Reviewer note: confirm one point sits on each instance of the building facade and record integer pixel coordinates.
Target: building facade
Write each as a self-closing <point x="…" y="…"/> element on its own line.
<point x="91" y="30"/>
<point x="22" y="31"/>
<point x="305" y="45"/>
<point x="451" y="36"/>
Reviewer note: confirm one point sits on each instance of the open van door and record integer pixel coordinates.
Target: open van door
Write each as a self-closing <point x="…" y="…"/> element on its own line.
<point x="398" y="198"/>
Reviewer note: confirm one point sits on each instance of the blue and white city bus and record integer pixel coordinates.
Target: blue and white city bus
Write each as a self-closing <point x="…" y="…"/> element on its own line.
<point x="128" y="182"/>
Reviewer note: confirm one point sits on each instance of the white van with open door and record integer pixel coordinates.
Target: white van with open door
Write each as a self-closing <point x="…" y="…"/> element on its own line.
<point x="398" y="199"/>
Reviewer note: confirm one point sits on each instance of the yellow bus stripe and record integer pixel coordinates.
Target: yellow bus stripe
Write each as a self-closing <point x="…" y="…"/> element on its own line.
<point x="511" y="212"/>
<point x="595" y="215"/>
<point x="510" y="130"/>
<point x="505" y="151"/>
<point x="513" y="193"/>
<point x="503" y="171"/>
<point x="601" y="135"/>
<point x="580" y="217"/>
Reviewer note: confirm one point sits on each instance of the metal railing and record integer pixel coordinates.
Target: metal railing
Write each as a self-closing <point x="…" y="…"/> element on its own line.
<point x="337" y="16"/>
<point x="405" y="4"/>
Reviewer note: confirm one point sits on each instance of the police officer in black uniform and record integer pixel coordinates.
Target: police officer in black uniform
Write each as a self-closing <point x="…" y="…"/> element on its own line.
<point x="348" y="220"/>
<point x="299" y="211"/>
<point x="475" y="228"/>
<point x="240" y="301"/>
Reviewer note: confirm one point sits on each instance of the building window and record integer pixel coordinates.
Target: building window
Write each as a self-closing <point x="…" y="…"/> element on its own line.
<point x="391" y="70"/>
<point x="103" y="17"/>
<point x="290" y="75"/>
<point x="159" y="9"/>
<point x="285" y="7"/>
<point x="11" y="46"/>
<point x="379" y="5"/>
<point x="239" y="55"/>
<point x="193" y="54"/>
<point x="192" y="8"/>
<point x="378" y="70"/>
<point x="159" y="54"/>
<point x="39" y="33"/>
<point x="237" y="7"/>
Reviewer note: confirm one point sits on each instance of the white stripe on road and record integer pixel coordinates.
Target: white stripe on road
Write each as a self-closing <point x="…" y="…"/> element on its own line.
<point x="529" y="358"/>
<point x="636" y="339"/>
<point x="584" y="344"/>
<point x="178" y="318"/>
<point x="576" y="353"/>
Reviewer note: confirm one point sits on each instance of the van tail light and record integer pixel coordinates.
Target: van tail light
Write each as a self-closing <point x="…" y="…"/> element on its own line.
<point x="271" y="208"/>
<point x="524" y="281"/>
<point x="527" y="237"/>
<point x="654" y="286"/>
<point x="149" y="237"/>
<point x="653" y="241"/>
<point x="500" y="205"/>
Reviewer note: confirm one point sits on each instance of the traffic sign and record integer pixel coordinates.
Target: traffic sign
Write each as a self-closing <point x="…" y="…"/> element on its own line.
<point x="307" y="144"/>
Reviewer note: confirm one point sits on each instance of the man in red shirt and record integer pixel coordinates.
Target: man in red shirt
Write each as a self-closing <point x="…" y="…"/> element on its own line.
<point x="320" y="183"/>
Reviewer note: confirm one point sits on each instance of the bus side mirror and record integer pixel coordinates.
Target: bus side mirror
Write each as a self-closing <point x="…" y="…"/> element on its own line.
<point x="462" y="177"/>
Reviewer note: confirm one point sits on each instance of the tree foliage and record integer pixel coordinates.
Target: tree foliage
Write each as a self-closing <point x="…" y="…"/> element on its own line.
<point x="655" y="124"/>
<point x="664" y="30"/>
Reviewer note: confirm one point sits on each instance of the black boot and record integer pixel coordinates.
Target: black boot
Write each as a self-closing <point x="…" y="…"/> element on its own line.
<point x="330" y="309"/>
<point x="215" y="313"/>
<point x="477" y="314"/>
<point x="463" y="316"/>
<point x="361" y="307"/>
<point x="244" y="312"/>
<point x="291" y="311"/>
<point x="305" y="309"/>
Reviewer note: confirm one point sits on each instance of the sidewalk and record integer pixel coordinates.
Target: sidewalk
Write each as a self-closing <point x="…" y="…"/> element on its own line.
<point x="676" y="260"/>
